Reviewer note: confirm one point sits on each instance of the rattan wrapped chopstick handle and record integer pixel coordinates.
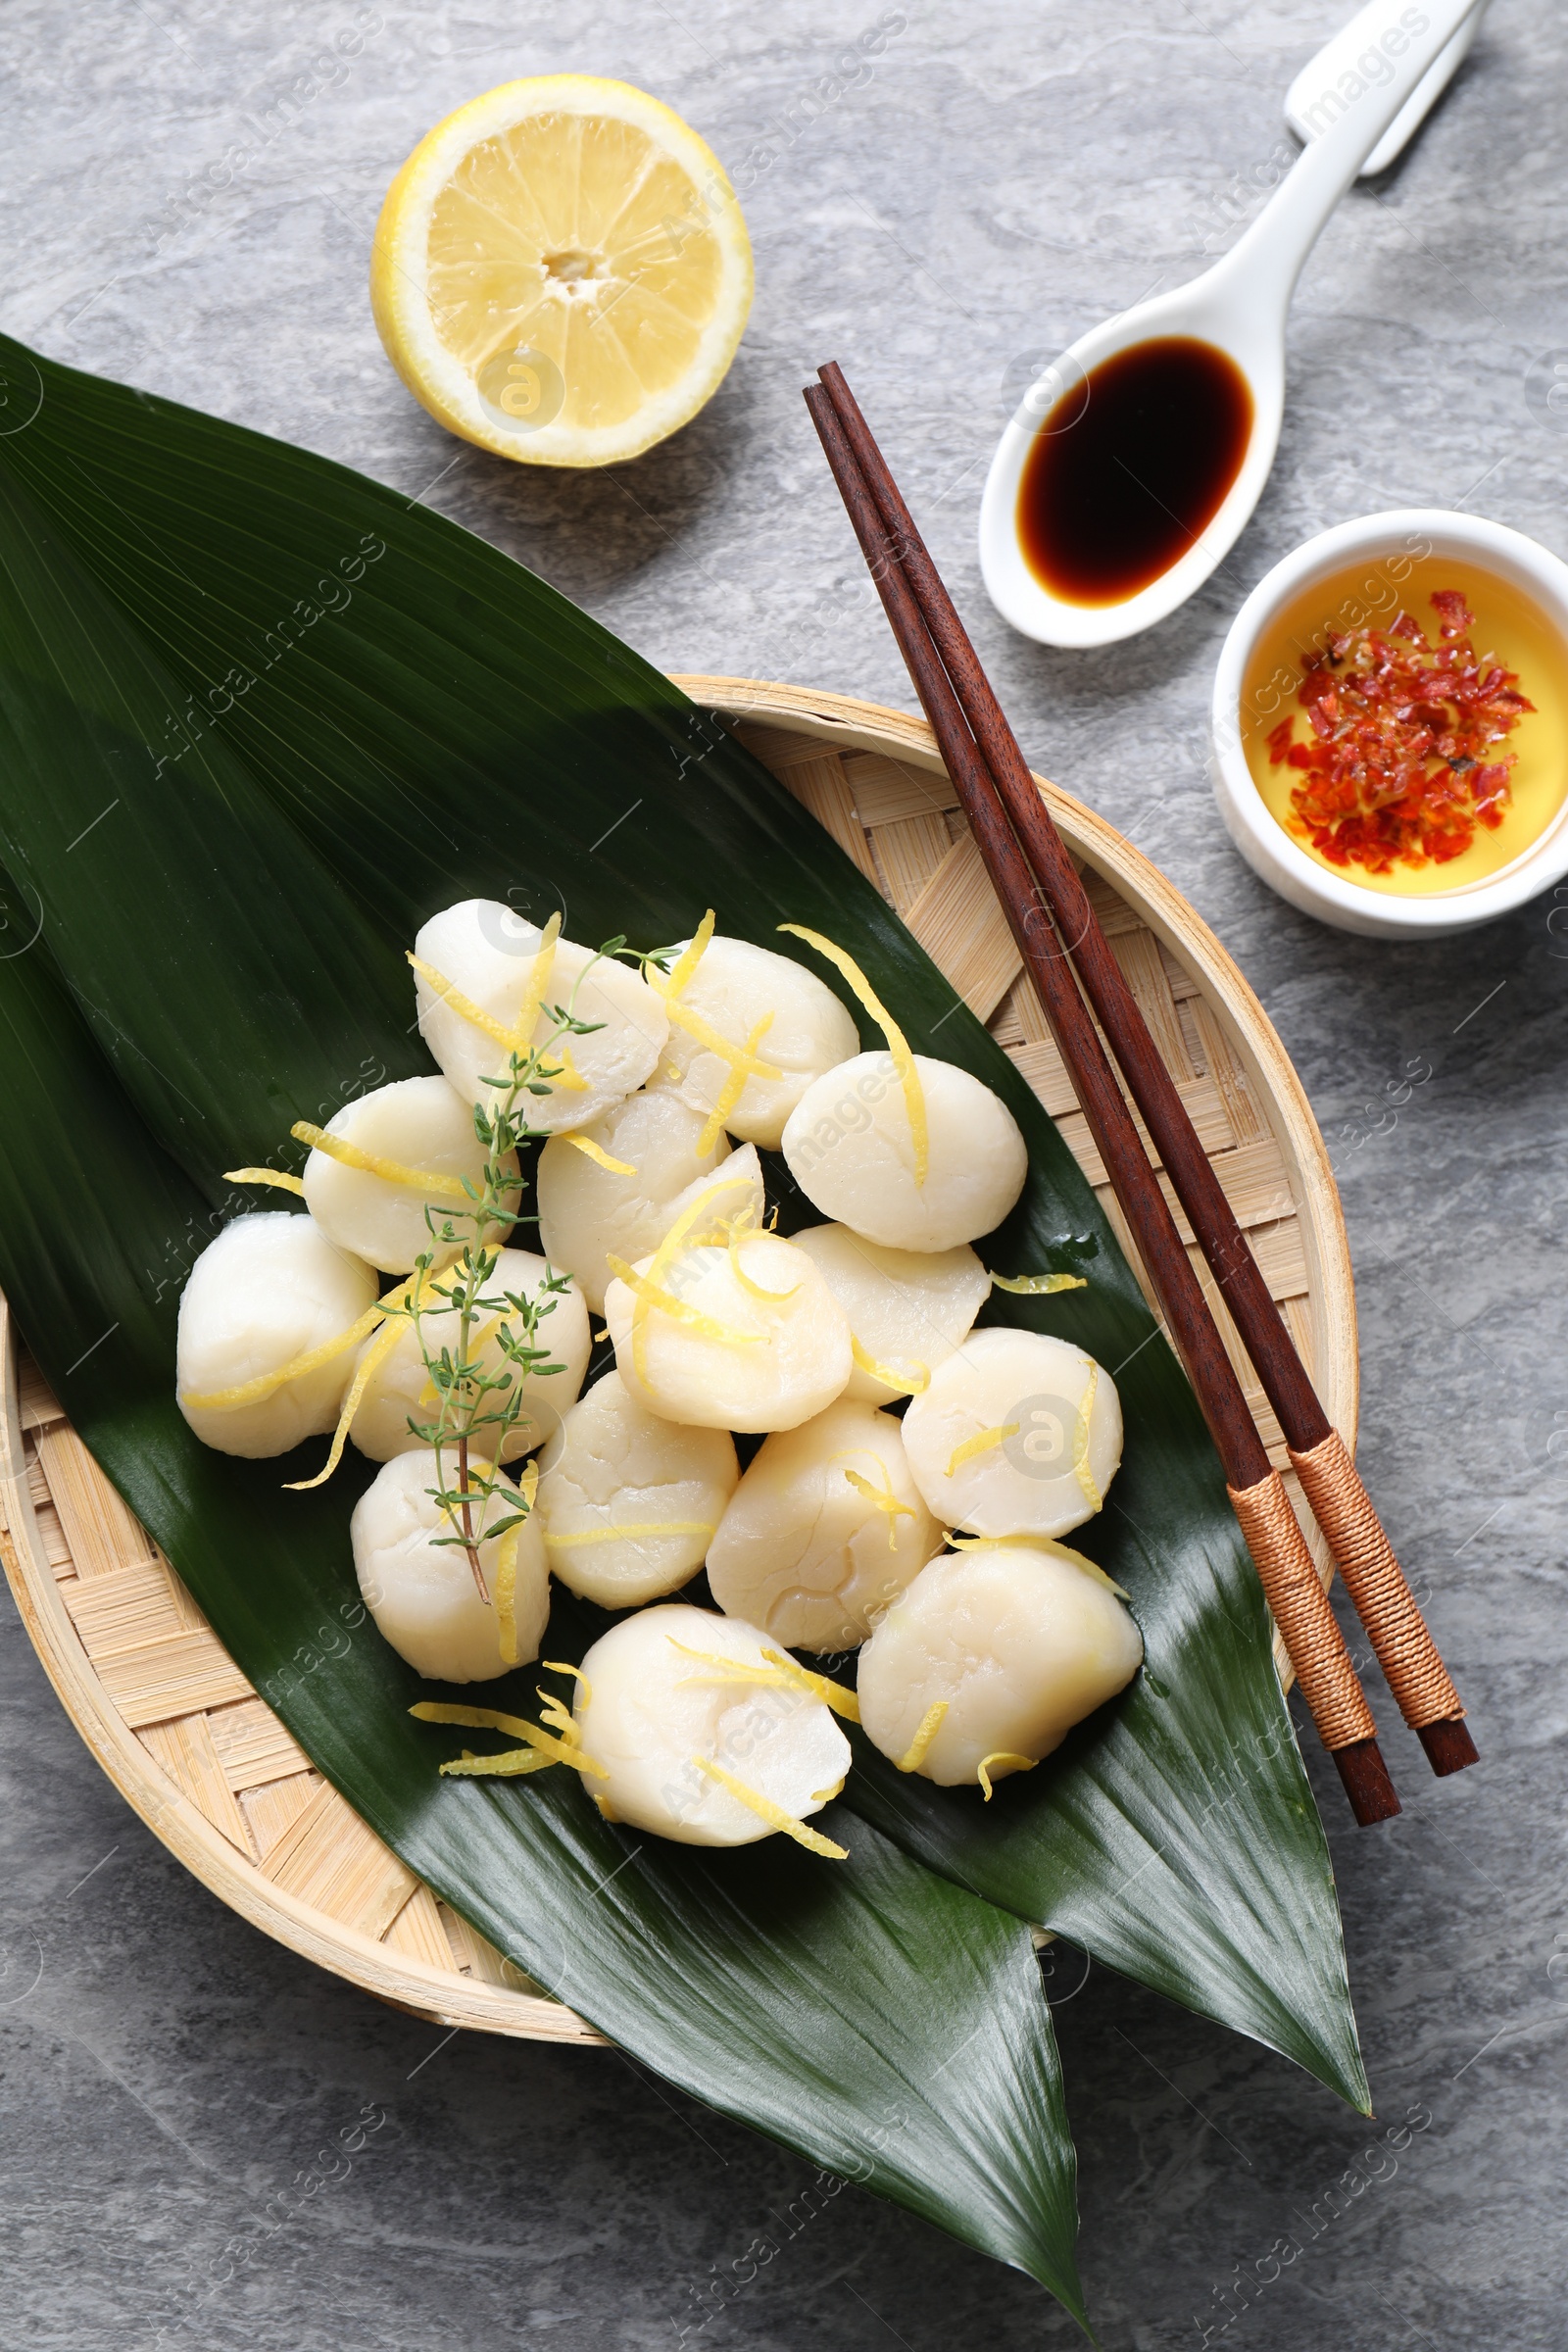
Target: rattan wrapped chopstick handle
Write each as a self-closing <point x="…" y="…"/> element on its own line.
<point x="1373" y="1577"/>
<point x="1300" y="1609"/>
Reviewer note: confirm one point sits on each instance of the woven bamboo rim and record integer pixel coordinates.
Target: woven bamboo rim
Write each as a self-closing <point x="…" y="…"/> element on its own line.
<point x="203" y="1759"/>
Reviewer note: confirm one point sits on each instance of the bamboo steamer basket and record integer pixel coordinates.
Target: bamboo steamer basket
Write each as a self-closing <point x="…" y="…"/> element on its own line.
<point x="208" y="1765"/>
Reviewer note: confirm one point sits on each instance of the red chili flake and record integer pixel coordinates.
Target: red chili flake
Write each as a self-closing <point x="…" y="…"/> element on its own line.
<point x="1397" y="770"/>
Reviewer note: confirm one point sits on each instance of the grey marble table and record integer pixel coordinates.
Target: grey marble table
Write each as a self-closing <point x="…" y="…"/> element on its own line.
<point x="1006" y="175"/>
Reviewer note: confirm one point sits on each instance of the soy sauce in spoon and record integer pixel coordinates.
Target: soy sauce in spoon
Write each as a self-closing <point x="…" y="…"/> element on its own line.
<point x="1130" y="467"/>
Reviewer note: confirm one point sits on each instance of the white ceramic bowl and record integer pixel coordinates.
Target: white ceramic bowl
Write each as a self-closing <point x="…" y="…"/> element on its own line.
<point x="1263" y="842"/>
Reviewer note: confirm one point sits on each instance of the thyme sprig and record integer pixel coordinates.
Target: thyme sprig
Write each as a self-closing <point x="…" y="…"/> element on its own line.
<point x="475" y="1409"/>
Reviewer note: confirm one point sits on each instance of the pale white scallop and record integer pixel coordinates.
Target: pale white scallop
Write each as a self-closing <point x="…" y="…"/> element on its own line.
<point x="270" y="1288"/>
<point x="652" y="1714"/>
<point x="1043" y="1466"/>
<point x="419" y="1123"/>
<point x="804" y="1551"/>
<point x="421" y="1589"/>
<point x="614" y="1466"/>
<point x="486" y="952"/>
<point x="734" y="985"/>
<point x="399" y="1391"/>
<point x="587" y="1211"/>
<point x="1018" y="1641"/>
<point x="907" y="1309"/>
<point x="850" y="1147"/>
<point x="773" y="1347"/>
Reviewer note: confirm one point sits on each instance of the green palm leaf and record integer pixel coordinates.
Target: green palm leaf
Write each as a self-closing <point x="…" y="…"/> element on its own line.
<point x="319" y="714"/>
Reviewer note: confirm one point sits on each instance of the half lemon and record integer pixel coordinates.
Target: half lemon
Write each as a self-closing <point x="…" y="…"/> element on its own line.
<point x="561" y="272"/>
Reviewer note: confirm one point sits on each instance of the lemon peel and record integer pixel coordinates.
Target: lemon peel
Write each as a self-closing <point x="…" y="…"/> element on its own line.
<point x="884" y="1499"/>
<point x="488" y="1719"/>
<point x="774" y="1813"/>
<point x="663" y="1259"/>
<point x="372" y="1164"/>
<point x="266" y="1384"/>
<point x="885" y="1374"/>
<point x="1080" y="1444"/>
<point x="273" y="1176"/>
<point x="506" y="1595"/>
<point x="931" y="1722"/>
<point x="1002" y="1755"/>
<point x="384" y="1311"/>
<point x="1038" y="1286"/>
<point x="981" y="1443"/>
<point x="781" y="1672"/>
<point x="743" y="1067"/>
<point x="600" y="1156"/>
<point x="897" y="1043"/>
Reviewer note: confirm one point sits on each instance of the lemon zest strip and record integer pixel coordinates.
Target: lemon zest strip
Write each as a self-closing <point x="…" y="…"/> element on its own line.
<point x="533" y="994"/>
<point x="507" y="1594"/>
<point x="897" y="1043"/>
<point x="372" y="1164"/>
<point x="598" y="1153"/>
<point x="931" y="1722"/>
<point x="650" y="1293"/>
<point x="1038" y="1286"/>
<point x="885" y="1374"/>
<point x="508" y="1765"/>
<point x="374" y="1357"/>
<point x="486" y="1719"/>
<point x="663" y="1256"/>
<point x="981" y="1443"/>
<point x="1080" y="1449"/>
<point x="464" y="1006"/>
<point x="774" y="1814"/>
<point x="780" y="1672"/>
<point x="266" y="1384"/>
<point x="558" y="1666"/>
<point x="1002" y="1755"/>
<point x="734" y="1086"/>
<point x="567" y="1077"/>
<point x="284" y="1184"/>
<point x="634" y="1534"/>
<point x="884" y="1499"/>
<point x="686" y="963"/>
<point x="738" y="1233"/>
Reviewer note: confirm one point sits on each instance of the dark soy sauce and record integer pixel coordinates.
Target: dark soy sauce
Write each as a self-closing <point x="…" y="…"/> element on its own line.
<point x="1130" y="467"/>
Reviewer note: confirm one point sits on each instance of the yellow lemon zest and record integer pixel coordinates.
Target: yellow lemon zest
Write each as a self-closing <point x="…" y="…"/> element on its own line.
<point x="825" y="1796"/>
<point x="897" y="1043"/>
<point x="1038" y="1286"/>
<point x="598" y="1153"/>
<point x="648" y="1293"/>
<point x="266" y="1384"/>
<point x="565" y="1075"/>
<point x="558" y="1666"/>
<point x="781" y="1673"/>
<point x="507" y="1595"/>
<point x="509" y="1765"/>
<point x="486" y="1719"/>
<point x="533" y="994"/>
<point x="663" y="1258"/>
<point x="821" y="1686"/>
<point x="686" y="963"/>
<point x="885" y="1374"/>
<point x="553" y="1713"/>
<point x="464" y="1006"/>
<point x="981" y="1443"/>
<point x="634" y="1534"/>
<point x="1080" y="1449"/>
<point x="774" y="1814"/>
<point x="931" y="1722"/>
<point x="884" y="1499"/>
<point x="284" y="1184"/>
<point x="374" y="1359"/>
<point x="372" y="1164"/>
<point x="734" y="1086"/>
<point x="738" y="1232"/>
<point x="1002" y="1755"/>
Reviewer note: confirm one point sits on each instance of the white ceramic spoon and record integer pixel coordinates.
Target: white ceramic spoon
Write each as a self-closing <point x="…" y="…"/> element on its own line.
<point x="1241" y="306"/>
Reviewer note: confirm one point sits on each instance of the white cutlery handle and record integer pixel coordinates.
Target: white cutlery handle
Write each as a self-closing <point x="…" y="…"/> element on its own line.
<point x="1396" y="44"/>
<point x="1309" y="102"/>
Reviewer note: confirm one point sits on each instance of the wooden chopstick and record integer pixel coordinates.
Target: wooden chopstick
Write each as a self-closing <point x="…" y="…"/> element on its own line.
<point x="1284" y="1566"/>
<point x="1405" y="1650"/>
